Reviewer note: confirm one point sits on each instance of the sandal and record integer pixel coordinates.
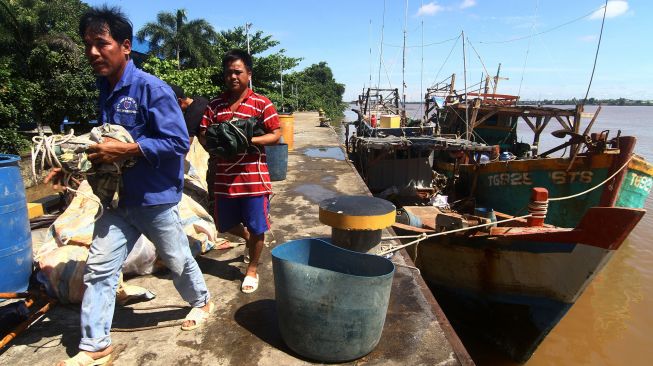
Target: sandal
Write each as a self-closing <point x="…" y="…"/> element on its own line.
<point x="226" y="244"/>
<point x="83" y="359"/>
<point x="251" y="282"/>
<point x="199" y="316"/>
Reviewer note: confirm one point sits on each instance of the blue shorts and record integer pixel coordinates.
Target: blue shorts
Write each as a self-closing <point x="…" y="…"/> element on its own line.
<point x="252" y="212"/>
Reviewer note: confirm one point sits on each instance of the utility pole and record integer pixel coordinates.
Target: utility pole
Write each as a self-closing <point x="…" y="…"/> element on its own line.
<point x="281" y="73"/>
<point x="247" y="26"/>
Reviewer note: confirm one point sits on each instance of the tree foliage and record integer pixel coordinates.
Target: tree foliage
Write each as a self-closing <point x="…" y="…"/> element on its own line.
<point x="196" y="81"/>
<point x="317" y="89"/>
<point x="192" y="43"/>
<point x="43" y="74"/>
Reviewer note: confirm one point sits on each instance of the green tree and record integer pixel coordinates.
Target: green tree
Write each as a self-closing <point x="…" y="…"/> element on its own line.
<point x="317" y="89"/>
<point x="192" y="43"/>
<point x="43" y="75"/>
<point x="195" y="81"/>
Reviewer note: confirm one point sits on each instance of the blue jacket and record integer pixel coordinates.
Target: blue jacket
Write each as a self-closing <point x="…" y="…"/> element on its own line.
<point x="148" y="109"/>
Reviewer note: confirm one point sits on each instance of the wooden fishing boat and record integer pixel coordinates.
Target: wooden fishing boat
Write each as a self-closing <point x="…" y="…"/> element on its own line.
<point x="389" y="153"/>
<point x="513" y="283"/>
<point x="502" y="182"/>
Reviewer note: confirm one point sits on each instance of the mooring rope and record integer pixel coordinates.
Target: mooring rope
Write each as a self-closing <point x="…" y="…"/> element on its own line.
<point x="425" y="236"/>
<point x="46" y="147"/>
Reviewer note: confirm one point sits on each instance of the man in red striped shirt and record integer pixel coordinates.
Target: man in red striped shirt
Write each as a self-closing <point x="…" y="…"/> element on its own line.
<point x="242" y="184"/>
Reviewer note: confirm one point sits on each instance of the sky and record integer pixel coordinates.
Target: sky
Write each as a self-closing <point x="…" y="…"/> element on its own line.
<point x="546" y="48"/>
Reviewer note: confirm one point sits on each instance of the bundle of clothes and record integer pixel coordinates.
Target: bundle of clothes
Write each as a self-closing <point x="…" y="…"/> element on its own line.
<point x="61" y="254"/>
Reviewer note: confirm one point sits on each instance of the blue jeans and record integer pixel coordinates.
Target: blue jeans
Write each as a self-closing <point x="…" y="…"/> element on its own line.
<point x="114" y="236"/>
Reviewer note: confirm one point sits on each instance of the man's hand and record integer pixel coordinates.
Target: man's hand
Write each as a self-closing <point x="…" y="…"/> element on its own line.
<point x="112" y="150"/>
<point x="56" y="176"/>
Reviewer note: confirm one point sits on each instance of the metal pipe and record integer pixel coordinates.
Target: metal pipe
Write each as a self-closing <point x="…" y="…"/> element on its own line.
<point x="24" y="325"/>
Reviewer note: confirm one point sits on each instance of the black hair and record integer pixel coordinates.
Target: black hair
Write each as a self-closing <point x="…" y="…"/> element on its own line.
<point x="235" y="55"/>
<point x="97" y="19"/>
<point x="179" y="91"/>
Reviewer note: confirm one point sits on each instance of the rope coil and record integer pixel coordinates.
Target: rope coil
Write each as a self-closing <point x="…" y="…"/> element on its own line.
<point x="538" y="209"/>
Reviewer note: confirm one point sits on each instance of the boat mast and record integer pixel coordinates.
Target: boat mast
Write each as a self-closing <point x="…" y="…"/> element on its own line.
<point x="496" y="80"/>
<point x="465" y="82"/>
<point x="403" y="70"/>
<point x="421" y="71"/>
<point x="378" y="83"/>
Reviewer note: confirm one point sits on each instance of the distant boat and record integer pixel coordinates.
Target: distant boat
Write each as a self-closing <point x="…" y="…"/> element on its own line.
<point x="391" y="154"/>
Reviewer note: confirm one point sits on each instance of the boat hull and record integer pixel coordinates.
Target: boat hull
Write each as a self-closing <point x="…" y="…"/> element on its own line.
<point x="515" y="284"/>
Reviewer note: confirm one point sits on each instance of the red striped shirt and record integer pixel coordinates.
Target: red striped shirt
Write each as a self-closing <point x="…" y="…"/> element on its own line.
<point x="246" y="174"/>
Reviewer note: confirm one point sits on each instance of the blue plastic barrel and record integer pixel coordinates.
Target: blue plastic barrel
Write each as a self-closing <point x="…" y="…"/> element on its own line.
<point x="407" y="218"/>
<point x="487" y="213"/>
<point x="277" y="159"/>
<point x="331" y="302"/>
<point x="15" y="238"/>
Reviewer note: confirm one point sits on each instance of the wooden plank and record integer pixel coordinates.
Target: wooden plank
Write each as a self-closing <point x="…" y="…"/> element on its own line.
<point x="484" y="118"/>
<point x="530" y="124"/>
<point x="477" y="103"/>
<point x="564" y="123"/>
<point x="410" y="228"/>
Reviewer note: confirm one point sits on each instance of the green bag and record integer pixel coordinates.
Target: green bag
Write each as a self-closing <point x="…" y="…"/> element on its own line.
<point x="227" y="139"/>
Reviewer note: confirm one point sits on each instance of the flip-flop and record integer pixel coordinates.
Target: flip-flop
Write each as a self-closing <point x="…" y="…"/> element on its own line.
<point x="227" y="245"/>
<point x="251" y="282"/>
<point x="199" y="316"/>
<point x="83" y="359"/>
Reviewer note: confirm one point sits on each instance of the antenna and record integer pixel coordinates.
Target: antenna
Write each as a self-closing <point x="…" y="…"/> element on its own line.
<point x="369" y="39"/>
<point x="378" y="83"/>
<point x="465" y="82"/>
<point x="247" y="26"/>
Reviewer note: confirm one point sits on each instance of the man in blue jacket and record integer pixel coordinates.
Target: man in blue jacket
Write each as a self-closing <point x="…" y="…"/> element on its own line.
<point x="147" y="108"/>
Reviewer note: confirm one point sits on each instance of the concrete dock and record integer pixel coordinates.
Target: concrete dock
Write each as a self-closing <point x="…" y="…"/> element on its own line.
<point x="244" y="330"/>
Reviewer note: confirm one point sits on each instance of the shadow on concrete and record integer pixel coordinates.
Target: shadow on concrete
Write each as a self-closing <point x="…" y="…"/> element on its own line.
<point x="260" y="318"/>
<point x="62" y="322"/>
<point x="221" y="268"/>
<point x="127" y="318"/>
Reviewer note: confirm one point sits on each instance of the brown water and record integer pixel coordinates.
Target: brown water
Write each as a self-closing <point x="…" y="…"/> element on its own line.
<point x="611" y="323"/>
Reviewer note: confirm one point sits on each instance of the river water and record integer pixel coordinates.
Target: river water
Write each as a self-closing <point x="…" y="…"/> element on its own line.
<point x="611" y="322"/>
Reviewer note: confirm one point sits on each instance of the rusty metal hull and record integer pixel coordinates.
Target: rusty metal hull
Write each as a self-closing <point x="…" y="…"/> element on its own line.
<point x="514" y="284"/>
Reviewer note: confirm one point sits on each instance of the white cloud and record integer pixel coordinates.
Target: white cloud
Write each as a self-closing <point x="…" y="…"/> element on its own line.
<point x="430" y="9"/>
<point x="467" y="4"/>
<point x="615" y="8"/>
<point x="590" y="38"/>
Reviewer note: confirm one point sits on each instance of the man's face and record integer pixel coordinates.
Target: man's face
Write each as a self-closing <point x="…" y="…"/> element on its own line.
<point x="107" y="57"/>
<point x="183" y="103"/>
<point x="236" y="76"/>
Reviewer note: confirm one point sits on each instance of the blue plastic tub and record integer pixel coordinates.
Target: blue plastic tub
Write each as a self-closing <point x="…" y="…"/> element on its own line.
<point x="331" y="302"/>
<point x="277" y="159"/>
<point x="15" y="237"/>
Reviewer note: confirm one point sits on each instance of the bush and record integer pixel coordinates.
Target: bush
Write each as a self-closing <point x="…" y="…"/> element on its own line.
<point x="11" y="142"/>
